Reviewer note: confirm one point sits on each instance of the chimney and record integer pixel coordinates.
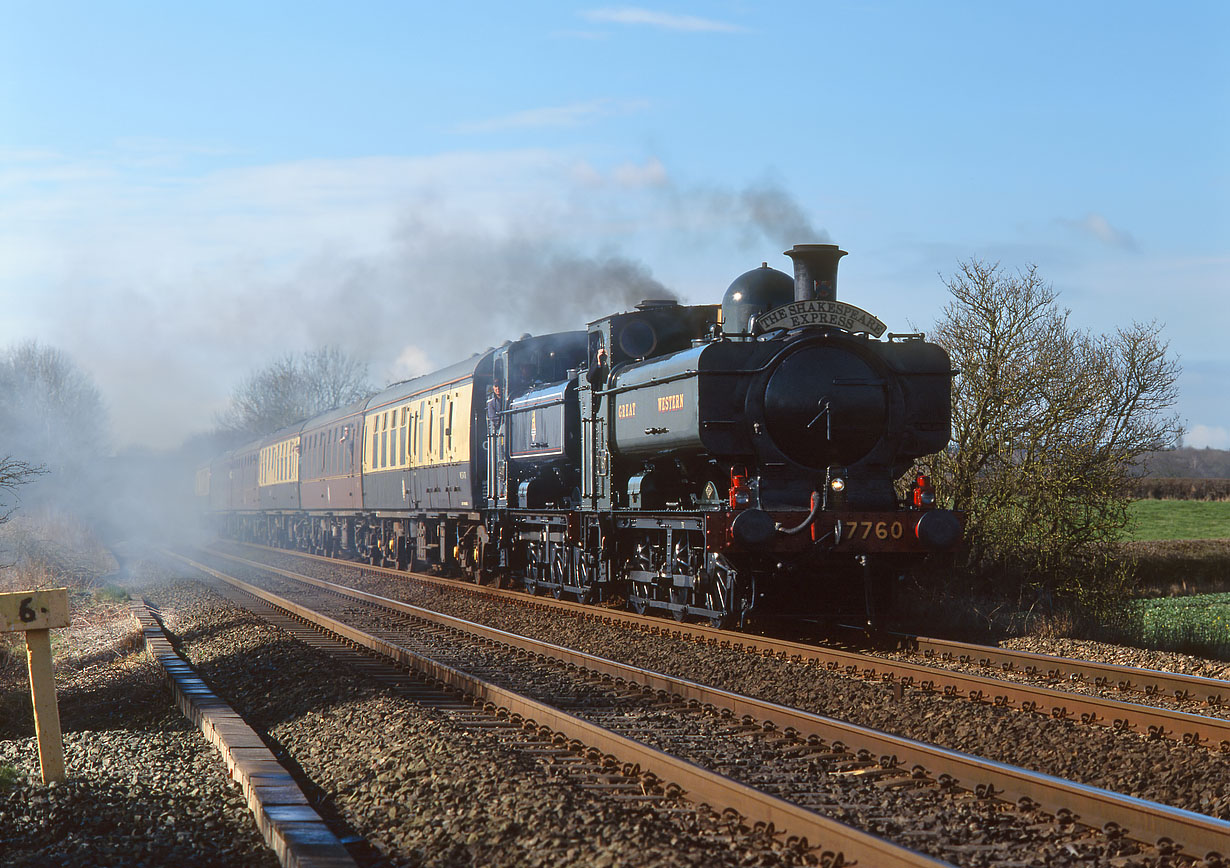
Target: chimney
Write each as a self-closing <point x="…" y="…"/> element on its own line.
<point x="815" y="271"/>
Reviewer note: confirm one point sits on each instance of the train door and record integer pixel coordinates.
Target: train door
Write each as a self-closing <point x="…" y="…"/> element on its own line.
<point x="431" y="464"/>
<point x="449" y="470"/>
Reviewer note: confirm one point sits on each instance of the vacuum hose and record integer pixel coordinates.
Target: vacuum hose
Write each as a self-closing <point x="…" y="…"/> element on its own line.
<point x="816" y="501"/>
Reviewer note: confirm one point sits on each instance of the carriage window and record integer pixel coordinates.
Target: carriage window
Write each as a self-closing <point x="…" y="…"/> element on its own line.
<point x="449" y="429"/>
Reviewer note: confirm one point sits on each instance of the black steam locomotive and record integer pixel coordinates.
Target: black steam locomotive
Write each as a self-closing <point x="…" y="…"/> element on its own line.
<point x="707" y="461"/>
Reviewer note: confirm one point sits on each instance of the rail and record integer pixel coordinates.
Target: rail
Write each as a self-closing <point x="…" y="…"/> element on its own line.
<point x="1196" y="834"/>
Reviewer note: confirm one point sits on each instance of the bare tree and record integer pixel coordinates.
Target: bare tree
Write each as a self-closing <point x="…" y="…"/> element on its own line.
<point x="13" y="473"/>
<point x="294" y="388"/>
<point x="52" y="417"/>
<point x="1048" y="422"/>
<point x="50" y="411"/>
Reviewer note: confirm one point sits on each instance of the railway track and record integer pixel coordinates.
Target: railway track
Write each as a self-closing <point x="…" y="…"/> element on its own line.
<point x="1012" y="686"/>
<point x="793" y="744"/>
<point x="1211" y="693"/>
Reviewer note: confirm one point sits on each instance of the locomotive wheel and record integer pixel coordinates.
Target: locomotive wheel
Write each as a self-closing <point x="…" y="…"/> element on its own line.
<point x="719" y="597"/>
<point x="559" y="574"/>
<point x="373" y="549"/>
<point x="588" y="593"/>
<point x="534" y="570"/>
<point x="480" y="575"/>
<point x="679" y="596"/>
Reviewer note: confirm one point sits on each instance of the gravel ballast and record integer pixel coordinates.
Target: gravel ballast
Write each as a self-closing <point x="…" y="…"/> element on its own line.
<point x="1196" y="779"/>
<point x="132" y="798"/>
<point x="144" y="788"/>
<point x="420" y="787"/>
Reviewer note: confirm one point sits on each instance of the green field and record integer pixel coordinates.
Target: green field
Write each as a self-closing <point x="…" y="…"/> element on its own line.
<point x="1179" y="519"/>
<point x="1193" y="625"/>
<point x="1197" y="624"/>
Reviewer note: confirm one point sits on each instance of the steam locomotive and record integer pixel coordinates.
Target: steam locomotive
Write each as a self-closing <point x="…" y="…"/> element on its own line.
<point x="709" y="461"/>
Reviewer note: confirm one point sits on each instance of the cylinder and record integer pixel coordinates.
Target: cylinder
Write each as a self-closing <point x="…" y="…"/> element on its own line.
<point x="815" y="271"/>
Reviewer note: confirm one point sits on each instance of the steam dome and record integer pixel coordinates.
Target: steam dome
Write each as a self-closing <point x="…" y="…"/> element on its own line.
<point x="752" y="293"/>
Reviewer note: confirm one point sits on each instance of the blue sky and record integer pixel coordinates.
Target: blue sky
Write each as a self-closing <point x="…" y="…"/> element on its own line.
<point x="188" y="191"/>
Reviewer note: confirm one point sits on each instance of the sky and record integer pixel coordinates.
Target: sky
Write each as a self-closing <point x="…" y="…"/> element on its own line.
<point x="190" y="191"/>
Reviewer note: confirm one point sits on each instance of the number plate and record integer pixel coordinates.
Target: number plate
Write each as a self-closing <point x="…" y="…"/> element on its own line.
<point x="34" y="610"/>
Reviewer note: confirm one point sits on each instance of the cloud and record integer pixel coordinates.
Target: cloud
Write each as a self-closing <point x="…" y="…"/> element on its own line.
<point x="1097" y="226"/>
<point x="662" y="20"/>
<point x="628" y="176"/>
<point x="571" y="115"/>
<point x="1207" y="437"/>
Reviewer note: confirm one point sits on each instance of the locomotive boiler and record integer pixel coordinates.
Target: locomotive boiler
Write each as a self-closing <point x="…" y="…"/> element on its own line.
<point x="702" y="461"/>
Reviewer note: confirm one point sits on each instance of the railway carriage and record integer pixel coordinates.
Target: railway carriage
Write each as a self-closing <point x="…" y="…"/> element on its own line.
<point x="330" y="484"/>
<point x="421" y="491"/>
<point x="705" y="461"/>
<point x="278" y="473"/>
<point x="245" y="479"/>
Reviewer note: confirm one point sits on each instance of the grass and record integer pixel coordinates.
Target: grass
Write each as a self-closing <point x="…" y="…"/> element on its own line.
<point x="8" y="777"/>
<point x="1180" y="519"/>
<point x="1191" y="625"/>
<point x="111" y="594"/>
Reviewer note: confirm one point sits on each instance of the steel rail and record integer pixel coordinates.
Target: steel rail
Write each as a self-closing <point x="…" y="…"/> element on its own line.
<point x="1151" y="682"/>
<point x="1142" y="820"/>
<point x="700" y="785"/>
<point x="1144" y="720"/>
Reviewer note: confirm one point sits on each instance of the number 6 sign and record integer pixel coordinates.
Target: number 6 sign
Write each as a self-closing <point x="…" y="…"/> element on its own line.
<point x="36" y="613"/>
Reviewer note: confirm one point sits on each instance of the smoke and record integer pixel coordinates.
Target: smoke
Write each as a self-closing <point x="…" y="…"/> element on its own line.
<point x="407" y="264"/>
<point x="774" y="213"/>
<point x="450" y="283"/>
<point x="750" y="216"/>
<point x="440" y="295"/>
